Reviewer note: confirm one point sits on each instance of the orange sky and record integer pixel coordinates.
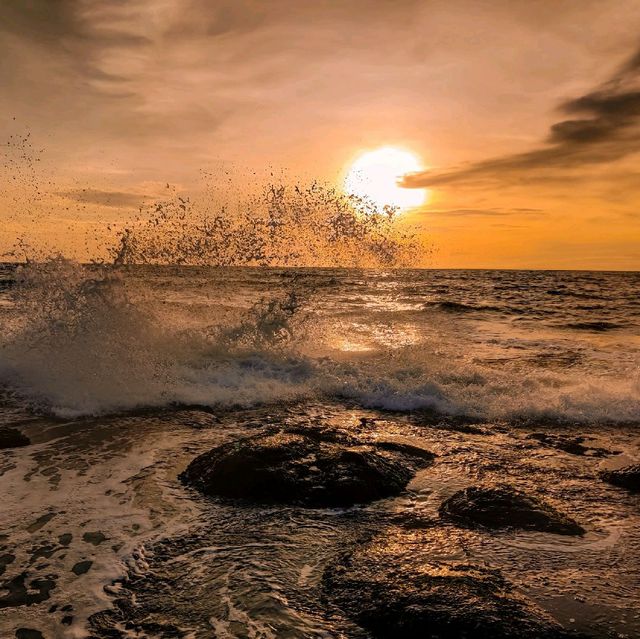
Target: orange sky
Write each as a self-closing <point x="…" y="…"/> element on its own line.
<point x="526" y="112"/>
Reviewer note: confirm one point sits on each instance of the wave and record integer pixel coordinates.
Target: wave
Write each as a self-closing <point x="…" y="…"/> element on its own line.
<point x="598" y="327"/>
<point x="449" y="306"/>
<point x="561" y="292"/>
<point x="85" y="347"/>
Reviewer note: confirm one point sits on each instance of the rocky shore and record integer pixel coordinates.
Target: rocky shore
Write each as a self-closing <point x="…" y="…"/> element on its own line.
<point x="337" y="522"/>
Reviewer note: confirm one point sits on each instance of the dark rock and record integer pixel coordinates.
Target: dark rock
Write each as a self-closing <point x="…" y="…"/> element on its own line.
<point x="5" y="560"/>
<point x="457" y="423"/>
<point x="627" y="477"/>
<point x="94" y="538"/>
<point x="65" y="539"/>
<point x="386" y="590"/>
<point x="12" y="438"/>
<point x="506" y="507"/>
<point x="20" y="593"/>
<point x="571" y="445"/>
<point x="43" y="520"/>
<point x="309" y="467"/>
<point x="467" y="429"/>
<point x="81" y="567"/>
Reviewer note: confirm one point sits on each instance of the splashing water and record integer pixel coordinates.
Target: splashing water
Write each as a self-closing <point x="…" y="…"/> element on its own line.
<point x="83" y="341"/>
<point x="94" y="339"/>
<point x="285" y="225"/>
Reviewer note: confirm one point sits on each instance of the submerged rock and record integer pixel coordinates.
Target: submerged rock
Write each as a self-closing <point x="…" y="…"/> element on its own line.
<point x="388" y="591"/>
<point x="316" y="468"/>
<point x="571" y="445"/>
<point x="627" y="477"/>
<point x="12" y="438"/>
<point x="506" y="507"/>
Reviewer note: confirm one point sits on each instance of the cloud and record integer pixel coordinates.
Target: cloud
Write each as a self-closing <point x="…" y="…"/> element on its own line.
<point x="485" y="212"/>
<point x="116" y="199"/>
<point x="600" y="127"/>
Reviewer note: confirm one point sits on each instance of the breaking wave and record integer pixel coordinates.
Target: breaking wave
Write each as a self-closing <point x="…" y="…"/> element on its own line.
<point x="123" y="335"/>
<point x="89" y="341"/>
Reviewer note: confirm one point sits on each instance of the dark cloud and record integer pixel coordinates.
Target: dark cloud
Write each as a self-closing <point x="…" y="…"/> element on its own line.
<point x="604" y="127"/>
<point x="69" y="26"/>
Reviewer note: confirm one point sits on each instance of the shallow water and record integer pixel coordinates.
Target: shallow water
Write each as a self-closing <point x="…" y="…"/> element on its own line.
<point x="103" y="396"/>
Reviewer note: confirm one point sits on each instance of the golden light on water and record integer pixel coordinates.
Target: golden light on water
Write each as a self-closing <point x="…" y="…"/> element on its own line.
<point x="376" y="175"/>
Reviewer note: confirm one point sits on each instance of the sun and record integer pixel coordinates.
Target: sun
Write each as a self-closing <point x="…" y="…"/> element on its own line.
<point x="375" y="175"/>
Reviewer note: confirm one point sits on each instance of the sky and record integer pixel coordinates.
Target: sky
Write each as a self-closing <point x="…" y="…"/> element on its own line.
<point x="525" y="114"/>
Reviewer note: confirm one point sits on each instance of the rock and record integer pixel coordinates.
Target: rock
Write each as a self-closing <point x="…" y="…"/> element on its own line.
<point x="5" y="560"/>
<point x="627" y="477"/>
<point x="82" y="567"/>
<point x="12" y="438"/>
<point x="95" y="538"/>
<point x="506" y="507"/>
<point x="65" y="539"/>
<point x="391" y="592"/>
<point x="571" y="445"/>
<point x="308" y="467"/>
<point x="20" y="592"/>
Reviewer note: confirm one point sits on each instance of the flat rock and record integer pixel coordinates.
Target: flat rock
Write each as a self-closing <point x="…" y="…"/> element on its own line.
<point x="308" y="467"/>
<point x="12" y="438"/>
<point x="505" y="507"/>
<point x="385" y="589"/>
<point x="627" y="477"/>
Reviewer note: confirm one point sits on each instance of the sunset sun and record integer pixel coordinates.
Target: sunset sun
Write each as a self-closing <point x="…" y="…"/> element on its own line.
<point x="376" y="174"/>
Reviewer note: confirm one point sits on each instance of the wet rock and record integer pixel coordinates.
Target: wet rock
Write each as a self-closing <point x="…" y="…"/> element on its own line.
<point x="467" y="429"/>
<point x="20" y="593"/>
<point x="82" y="567"/>
<point x="389" y="593"/>
<point x="94" y="538"/>
<point x="309" y="467"/>
<point x="571" y="445"/>
<point x="506" y="507"/>
<point x="65" y="539"/>
<point x="12" y="438"/>
<point x="5" y="560"/>
<point x="458" y="423"/>
<point x="43" y="520"/>
<point x="627" y="477"/>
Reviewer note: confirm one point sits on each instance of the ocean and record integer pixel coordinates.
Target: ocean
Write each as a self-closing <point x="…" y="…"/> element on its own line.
<point x="121" y="376"/>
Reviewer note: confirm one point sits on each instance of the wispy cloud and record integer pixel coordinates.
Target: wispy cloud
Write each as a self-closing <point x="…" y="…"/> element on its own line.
<point x="602" y="126"/>
<point x="485" y="212"/>
<point x="116" y="199"/>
